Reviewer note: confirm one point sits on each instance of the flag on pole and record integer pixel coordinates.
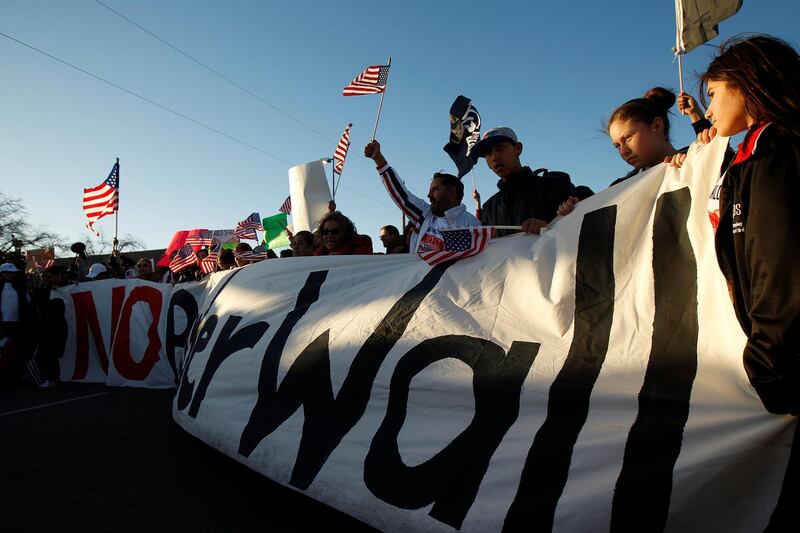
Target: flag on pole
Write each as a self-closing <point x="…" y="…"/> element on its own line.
<point x="275" y="235"/>
<point x="246" y="229"/>
<point x="184" y="257"/>
<point x="371" y="81"/>
<point x="465" y="131"/>
<point x="341" y="150"/>
<point x="458" y="244"/>
<point x="697" y="21"/>
<point x="209" y="263"/>
<point x="102" y="200"/>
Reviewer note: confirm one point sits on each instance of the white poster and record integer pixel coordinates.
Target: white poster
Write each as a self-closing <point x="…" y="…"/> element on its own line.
<point x="308" y="188"/>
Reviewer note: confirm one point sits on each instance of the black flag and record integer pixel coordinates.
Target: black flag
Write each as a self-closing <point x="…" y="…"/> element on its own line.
<point x="465" y="131"/>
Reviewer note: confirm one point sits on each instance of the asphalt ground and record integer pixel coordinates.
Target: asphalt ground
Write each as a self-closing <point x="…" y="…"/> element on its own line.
<point x="87" y="458"/>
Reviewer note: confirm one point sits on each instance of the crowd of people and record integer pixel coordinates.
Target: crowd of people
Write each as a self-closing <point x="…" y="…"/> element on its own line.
<point x="753" y="85"/>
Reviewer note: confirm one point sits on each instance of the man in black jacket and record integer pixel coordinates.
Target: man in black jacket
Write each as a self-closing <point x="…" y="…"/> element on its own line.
<point x="525" y="198"/>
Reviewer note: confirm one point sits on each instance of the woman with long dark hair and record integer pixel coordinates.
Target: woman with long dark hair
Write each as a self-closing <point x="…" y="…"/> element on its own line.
<point x="754" y="86"/>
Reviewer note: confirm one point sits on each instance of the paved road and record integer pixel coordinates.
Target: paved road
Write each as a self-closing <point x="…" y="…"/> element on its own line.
<point x="94" y="458"/>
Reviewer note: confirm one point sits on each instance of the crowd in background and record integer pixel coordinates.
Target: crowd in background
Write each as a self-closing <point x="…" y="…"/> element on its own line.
<point x="754" y="88"/>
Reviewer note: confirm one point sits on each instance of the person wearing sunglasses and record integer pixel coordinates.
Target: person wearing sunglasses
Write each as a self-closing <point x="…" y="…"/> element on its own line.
<point x="336" y="235"/>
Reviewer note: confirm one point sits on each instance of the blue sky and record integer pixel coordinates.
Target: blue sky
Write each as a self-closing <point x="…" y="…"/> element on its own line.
<point x="552" y="72"/>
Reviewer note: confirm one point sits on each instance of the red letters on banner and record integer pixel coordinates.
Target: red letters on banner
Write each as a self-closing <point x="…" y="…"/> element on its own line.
<point x="123" y="359"/>
<point x="85" y="322"/>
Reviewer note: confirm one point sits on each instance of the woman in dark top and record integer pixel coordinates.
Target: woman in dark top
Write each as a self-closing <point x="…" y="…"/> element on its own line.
<point x="754" y="86"/>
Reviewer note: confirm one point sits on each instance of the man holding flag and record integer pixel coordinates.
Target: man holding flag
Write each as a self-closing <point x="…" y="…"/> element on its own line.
<point x="444" y="211"/>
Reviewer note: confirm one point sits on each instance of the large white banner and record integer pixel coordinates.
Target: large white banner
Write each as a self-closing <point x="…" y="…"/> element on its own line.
<point x="115" y="333"/>
<point x="589" y="379"/>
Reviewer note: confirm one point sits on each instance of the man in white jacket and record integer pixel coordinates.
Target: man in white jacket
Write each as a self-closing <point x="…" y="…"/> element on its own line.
<point x="444" y="211"/>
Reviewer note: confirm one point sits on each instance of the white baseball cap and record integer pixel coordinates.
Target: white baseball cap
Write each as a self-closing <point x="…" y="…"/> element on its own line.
<point x="95" y="270"/>
<point x="8" y="267"/>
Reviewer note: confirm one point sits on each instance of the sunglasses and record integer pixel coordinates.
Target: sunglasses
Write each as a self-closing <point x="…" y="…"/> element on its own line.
<point x="333" y="231"/>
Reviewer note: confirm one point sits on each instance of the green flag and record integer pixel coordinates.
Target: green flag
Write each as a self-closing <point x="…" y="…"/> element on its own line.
<point x="275" y="235"/>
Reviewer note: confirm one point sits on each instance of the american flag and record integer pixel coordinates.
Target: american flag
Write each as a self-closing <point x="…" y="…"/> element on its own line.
<point x="259" y="253"/>
<point x="199" y="238"/>
<point x="102" y="200"/>
<point x="371" y="81"/>
<point x="209" y="263"/>
<point x="183" y="258"/>
<point x="459" y="243"/>
<point x="244" y="255"/>
<point x="341" y="150"/>
<point x="246" y="228"/>
<point x="286" y="206"/>
<point x="39" y="268"/>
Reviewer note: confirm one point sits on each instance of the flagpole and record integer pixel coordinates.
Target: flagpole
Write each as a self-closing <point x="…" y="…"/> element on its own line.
<point x="679" y="48"/>
<point x="116" y="212"/>
<point x="380" y="105"/>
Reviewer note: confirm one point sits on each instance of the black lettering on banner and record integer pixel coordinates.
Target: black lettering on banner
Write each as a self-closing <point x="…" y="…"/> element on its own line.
<point x="183" y="299"/>
<point x="547" y="465"/>
<point x="199" y="322"/>
<point x="644" y="486"/>
<point x="186" y="387"/>
<point x="206" y="324"/>
<point x="308" y="384"/>
<point x="451" y="478"/>
<point x="227" y="344"/>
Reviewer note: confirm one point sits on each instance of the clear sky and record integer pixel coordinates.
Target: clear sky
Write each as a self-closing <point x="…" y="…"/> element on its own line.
<point x="552" y="71"/>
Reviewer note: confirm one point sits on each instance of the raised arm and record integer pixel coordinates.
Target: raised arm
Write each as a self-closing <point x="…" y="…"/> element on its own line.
<point x="413" y="207"/>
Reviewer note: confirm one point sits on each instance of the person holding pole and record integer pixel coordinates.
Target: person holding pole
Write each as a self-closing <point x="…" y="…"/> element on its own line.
<point x="444" y="209"/>
<point x="525" y="198"/>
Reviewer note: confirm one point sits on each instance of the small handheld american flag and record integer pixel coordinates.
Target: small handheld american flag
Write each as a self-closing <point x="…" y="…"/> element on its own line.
<point x="185" y="257"/>
<point x="209" y="263"/>
<point x="286" y="206"/>
<point x="458" y="244"/>
<point x="341" y="150"/>
<point x="259" y="253"/>
<point x="371" y="81"/>
<point x="199" y="238"/>
<point x="246" y="228"/>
